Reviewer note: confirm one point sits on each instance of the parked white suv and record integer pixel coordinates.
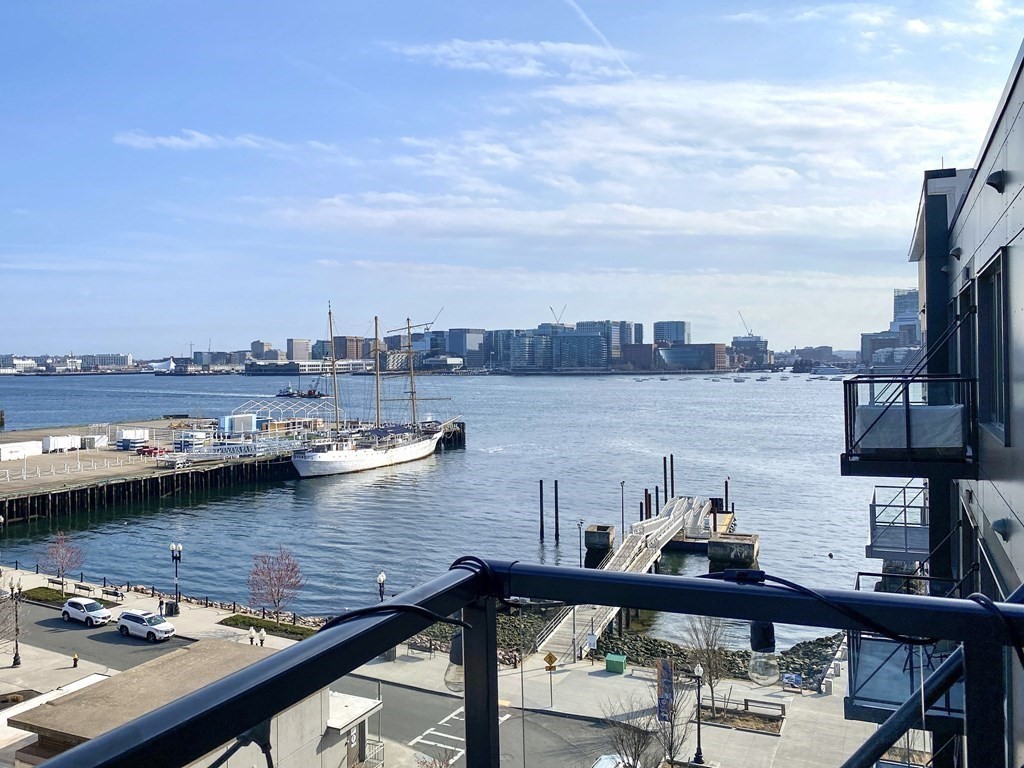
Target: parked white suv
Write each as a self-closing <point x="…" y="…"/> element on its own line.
<point x="144" y="624"/>
<point x="85" y="610"/>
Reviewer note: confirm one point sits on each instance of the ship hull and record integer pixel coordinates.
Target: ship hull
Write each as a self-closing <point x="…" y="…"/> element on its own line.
<point x="346" y="460"/>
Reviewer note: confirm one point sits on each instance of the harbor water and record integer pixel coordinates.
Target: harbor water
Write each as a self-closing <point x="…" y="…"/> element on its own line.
<point x="778" y="441"/>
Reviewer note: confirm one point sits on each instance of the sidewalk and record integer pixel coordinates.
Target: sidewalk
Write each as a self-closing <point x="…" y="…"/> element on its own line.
<point x="815" y="732"/>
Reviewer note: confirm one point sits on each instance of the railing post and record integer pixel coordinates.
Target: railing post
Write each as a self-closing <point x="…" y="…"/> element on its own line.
<point x="984" y="699"/>
<point x="906" y="412"/>
<point x="480" y="643"/>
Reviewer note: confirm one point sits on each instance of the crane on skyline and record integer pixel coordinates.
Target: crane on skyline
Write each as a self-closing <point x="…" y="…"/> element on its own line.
<point x="747" y="328"/>
<point x="558" y="317"/>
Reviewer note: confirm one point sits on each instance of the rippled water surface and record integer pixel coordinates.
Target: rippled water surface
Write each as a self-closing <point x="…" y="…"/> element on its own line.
<point x="779" y="441"/>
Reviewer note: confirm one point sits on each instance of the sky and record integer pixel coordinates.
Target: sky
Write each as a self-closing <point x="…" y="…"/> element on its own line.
<point x="215" y="173"/>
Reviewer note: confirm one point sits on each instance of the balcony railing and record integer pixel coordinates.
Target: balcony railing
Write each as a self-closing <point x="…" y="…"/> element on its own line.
<point x="884" y="673"/>
<point x="899" y="523"/>
<point x="203" y="722"/>
<point x="910" y="426"/>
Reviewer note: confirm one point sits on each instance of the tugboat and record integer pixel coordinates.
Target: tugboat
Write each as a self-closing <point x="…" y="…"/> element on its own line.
<point x="288" y="392"/>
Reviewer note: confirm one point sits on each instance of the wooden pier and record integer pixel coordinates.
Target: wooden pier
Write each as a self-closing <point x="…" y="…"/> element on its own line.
<point x="63" y="484"/>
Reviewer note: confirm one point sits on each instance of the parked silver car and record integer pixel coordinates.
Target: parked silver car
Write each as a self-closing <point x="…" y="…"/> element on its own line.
<point x="86" y="610"/>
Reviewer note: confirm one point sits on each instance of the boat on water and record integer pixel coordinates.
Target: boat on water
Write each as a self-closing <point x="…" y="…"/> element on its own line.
<point x="783" y="378"/>
<point x="287" y="392"/>
<point x="369" y="446"/>
<point x="739" y="378"/>
<point x="836" y="378"/>
<point x="764" y="378"/>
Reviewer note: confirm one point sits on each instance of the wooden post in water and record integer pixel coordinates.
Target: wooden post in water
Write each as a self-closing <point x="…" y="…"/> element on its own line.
<point x="542" y="510"/>
<point x="556" y="511"/>
<point x="672" y="469"/>
<point x="657" y="501"/>
<point x="664" y="470"/>
<point x="641" y="511"/>
<point x="714" y="513"/>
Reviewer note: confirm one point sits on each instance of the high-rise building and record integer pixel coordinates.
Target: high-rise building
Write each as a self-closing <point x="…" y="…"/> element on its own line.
<point x="298" y="349"/>
<point x="259" y="349"/>
<point x="467" y="343"/>
<point x="321" y="349"/>
<point x="906" y="317"/>
<point x="578" y="350"/>
<point x="751" y="351"/>
<point x="609" y="329"/>
<point x="348" y="347"/>
<point x="531" y="352"/>
<point x="638" y="333"/>
<point x="672" y="331"/>
<point x="640" y="357"/>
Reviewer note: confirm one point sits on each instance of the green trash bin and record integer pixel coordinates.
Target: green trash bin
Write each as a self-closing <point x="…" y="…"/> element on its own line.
<point x="615" y="662"/>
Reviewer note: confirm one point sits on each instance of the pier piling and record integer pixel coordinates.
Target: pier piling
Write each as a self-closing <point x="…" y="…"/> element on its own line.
<point x="542" y="510"/>
<point x="556" y="511"/>
<point x="672" y="470"/>
<point x="664" y="471"/>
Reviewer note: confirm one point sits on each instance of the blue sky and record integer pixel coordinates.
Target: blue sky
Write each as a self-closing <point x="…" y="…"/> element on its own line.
<point x="218" y="172"/>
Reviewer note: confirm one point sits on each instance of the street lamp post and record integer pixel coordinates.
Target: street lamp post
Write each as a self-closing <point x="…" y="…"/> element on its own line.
<point x="176" y="557"/>
<point x="579" y="524"/>
<point x="698" y="671"/>
<point x="381" y="578"/>
<point x="16" y="597"/>
<point x="622" y="499"/>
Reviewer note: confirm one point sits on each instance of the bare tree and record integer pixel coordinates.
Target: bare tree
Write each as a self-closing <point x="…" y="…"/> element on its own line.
<point x="442" y="758"/>
<point x="706" y="635"/>
<point x="62" y="556"/>
<point x="631" y="728"/>
<point x="275" y="579"/>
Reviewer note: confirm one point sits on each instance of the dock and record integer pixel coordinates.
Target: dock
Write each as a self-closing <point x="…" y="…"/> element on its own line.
<point x="89" y="479"/>
<point x="685" y="522"/>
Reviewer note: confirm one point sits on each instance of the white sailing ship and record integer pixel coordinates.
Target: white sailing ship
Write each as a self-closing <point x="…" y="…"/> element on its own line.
<point x="366" y="446"/>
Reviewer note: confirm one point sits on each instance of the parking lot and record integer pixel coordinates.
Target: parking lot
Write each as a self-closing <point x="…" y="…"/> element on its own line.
<point x="43" y="627"/>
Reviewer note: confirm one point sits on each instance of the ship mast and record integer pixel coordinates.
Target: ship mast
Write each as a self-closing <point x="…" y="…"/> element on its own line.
<point x="376" y="365"/>
<point x="412" y="373"/>
<point x="334" y="369"/>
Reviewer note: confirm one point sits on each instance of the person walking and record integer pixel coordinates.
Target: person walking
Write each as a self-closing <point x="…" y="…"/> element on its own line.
<point x="161" y="606"/>
<point x="263" y="636"/>
<point x="252" y="635"/>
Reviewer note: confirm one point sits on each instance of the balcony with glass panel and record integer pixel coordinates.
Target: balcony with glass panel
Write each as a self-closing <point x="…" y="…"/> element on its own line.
<point x="911" y="426"/>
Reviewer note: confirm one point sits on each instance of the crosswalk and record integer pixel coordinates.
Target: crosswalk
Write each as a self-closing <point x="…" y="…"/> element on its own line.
<point x="443" y="741"/>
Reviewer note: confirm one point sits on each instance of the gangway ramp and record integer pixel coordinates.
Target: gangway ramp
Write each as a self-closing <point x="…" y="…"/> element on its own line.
<point x="638" y="553"/>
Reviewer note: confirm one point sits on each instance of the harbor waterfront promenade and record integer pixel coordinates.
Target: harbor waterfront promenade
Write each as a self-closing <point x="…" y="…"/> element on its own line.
<point x="814" y="734"/>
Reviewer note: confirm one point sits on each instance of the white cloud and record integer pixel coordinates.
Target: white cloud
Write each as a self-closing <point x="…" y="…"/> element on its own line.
<point x="190" y="140"/>
<point x="541" y="59"/>
<point x="918" y="27"/>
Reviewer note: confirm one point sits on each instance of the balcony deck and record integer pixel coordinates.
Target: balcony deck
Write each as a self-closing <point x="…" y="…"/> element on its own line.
<point x="910" y="426"/>
<point x="899" y="524"/>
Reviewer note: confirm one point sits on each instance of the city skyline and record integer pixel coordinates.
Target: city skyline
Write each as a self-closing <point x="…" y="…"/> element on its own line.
<point x="167" y="175"/>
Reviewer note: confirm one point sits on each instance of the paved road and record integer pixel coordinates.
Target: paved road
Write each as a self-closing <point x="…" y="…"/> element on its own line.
<point x="431" y="723"/>
<point x="42" y="627"/>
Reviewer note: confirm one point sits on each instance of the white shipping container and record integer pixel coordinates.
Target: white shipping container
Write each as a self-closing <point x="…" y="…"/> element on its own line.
<point x="133" y="434"/>
<point x="18" y="451"/>
<point x="55" y="443"/>
<point x="95" y="441"/>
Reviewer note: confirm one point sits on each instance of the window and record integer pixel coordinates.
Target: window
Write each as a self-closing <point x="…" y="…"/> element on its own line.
<point x="993" y="386"/>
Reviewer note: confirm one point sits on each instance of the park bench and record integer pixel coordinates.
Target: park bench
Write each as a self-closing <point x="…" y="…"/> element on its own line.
<point x="113" y="592"/>
<point x="425" y="647"/>
<point x="56" y="582"/>
<point x="86" y="588"/>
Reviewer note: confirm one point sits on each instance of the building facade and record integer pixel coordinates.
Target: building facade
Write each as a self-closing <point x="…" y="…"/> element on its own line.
<point x="298" y="349"/>
<point x="672" y="331"/>
<point x="952" y="432"/>
<point x="695" y="357"/>
<point x="578" y="351"/>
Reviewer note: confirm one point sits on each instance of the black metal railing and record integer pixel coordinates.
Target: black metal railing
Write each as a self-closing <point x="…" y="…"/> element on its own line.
<point x="899" y="523"/>
<point x="212" y="717"/>
<point x="916" y="418"/>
